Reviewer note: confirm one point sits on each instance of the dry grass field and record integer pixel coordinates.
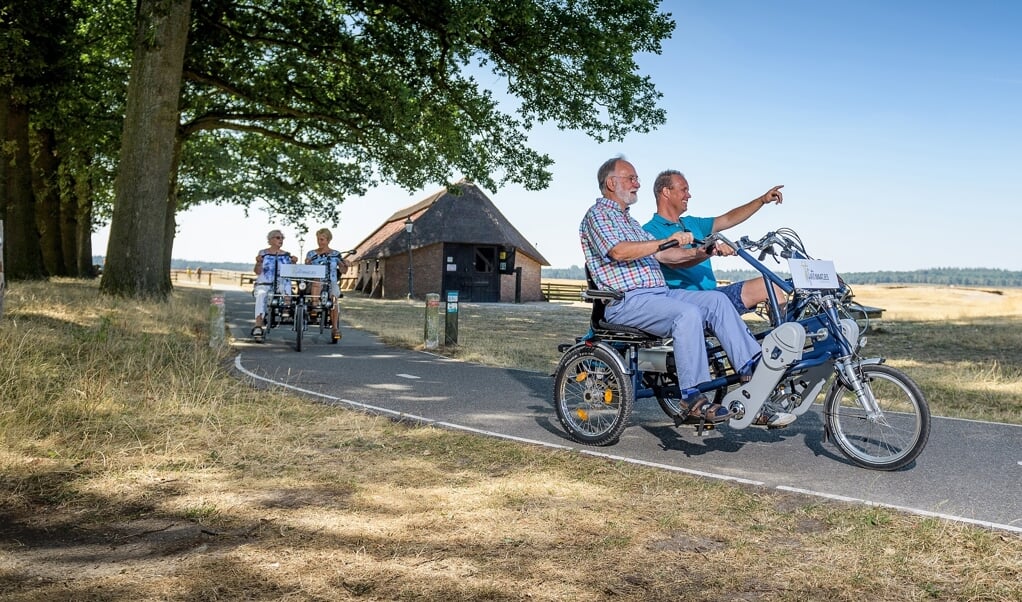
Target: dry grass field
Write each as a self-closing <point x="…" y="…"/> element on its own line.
<point x="134" y="466"/>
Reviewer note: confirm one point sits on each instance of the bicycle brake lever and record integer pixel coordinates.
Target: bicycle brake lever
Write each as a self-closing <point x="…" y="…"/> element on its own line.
<point x="768" y="250"/>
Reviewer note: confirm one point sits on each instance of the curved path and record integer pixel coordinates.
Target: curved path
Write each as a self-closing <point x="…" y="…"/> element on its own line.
<point x="970" y="471"/>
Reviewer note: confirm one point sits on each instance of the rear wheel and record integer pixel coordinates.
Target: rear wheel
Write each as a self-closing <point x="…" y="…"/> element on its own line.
<point x="668" y="382"/>
<point x="890" y="440"/>
<point x="592" y="395"/>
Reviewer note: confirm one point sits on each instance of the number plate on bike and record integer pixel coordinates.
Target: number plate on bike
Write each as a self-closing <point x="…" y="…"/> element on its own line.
<point x="813" y="274"/>
<point x="303" y="271"/>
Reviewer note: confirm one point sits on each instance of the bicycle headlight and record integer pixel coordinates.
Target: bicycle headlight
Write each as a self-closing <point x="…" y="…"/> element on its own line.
<point x="301" y="285"/>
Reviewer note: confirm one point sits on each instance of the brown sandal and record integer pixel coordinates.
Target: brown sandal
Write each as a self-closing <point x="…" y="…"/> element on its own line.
<point x="700" y="408"/>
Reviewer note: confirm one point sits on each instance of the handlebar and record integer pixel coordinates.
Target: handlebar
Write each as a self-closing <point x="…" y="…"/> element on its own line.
<point x="708" y="244"/>
<point x="787" y="240"/>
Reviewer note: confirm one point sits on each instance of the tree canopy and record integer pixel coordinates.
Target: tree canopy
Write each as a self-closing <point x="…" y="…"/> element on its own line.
<point x="330" y="98"/>
<point x="301" y="104"/>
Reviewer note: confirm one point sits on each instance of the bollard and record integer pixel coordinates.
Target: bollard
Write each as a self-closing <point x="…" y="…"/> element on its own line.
<point x="216" y="321"/>
<point x="451" y="330"/>
<point x="431" y="333"/>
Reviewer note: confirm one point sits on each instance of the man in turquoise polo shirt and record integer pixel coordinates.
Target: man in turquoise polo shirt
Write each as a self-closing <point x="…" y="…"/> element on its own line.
<point x="672" y="194"/>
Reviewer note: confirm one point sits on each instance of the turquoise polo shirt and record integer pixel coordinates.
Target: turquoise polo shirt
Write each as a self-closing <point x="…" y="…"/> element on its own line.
<point x="698" y="277"/>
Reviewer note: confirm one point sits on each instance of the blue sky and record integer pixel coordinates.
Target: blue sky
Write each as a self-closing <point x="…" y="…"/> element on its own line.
<point x="895" y="127"/>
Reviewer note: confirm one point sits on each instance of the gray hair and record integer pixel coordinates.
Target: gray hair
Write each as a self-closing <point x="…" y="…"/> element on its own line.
<point x="604" y="171"/>
<point x="273" y="233"/>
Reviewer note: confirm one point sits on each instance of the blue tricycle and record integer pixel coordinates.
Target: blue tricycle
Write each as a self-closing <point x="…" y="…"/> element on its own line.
<point x="875" y="413"/>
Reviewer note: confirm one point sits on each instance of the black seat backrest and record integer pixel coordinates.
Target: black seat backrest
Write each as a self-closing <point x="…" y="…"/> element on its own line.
<point x="600" y="299"/>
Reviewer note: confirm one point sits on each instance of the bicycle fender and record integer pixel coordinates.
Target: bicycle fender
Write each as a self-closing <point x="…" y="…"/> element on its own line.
<point x="614" y="353"/>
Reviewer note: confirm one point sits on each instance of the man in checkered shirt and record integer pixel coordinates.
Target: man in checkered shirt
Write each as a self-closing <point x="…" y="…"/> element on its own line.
<point x="622" y="256"/>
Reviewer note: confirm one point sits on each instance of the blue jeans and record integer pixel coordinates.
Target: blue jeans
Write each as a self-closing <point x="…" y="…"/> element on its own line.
<point x="683" y="314"/>
<point x="734" y="292"/>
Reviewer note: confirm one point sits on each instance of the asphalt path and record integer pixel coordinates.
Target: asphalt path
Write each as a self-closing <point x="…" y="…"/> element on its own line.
<point x="969" y="471"/>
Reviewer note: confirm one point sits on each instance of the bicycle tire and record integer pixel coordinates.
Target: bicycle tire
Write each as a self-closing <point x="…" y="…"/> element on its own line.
<point x="593" y="397"/>
<point x="891" y="441"/>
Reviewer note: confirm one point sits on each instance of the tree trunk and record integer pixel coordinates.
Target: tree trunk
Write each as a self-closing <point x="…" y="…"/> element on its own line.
<point x="23" y="258"/>
<point x="82" y="248"/>
<point x="47" y="194"/>
<point x="77" y="199"/>
<point x="135" y="257"/>
<point x="3" y="284"/>
<point x="69" y="227"/>
<point x="172" y="207"/>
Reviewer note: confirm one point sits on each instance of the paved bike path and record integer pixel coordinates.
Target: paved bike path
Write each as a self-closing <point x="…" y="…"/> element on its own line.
<point x="969" y="471"/>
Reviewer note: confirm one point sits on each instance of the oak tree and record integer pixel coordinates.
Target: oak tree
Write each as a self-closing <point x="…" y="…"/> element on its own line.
<point x="303" y="103"/>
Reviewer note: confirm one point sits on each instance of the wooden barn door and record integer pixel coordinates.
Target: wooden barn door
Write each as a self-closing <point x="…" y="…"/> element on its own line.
<point x="472" y="271"/>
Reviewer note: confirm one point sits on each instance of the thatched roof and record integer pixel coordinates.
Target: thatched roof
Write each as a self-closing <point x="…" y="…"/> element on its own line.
<point x="468" y="217"/>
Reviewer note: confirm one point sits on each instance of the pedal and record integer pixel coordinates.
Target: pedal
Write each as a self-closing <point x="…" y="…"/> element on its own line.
<point x="703" y="426"/>
<point x="700" y="423"/>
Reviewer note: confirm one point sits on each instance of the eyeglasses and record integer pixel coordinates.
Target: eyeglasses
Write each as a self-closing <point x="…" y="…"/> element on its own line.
<point x="277" y="237"/>
<point x="632" y="179"/>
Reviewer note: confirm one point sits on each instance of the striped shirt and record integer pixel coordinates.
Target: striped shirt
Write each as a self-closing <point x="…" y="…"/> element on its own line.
<point x="603" y="227"/>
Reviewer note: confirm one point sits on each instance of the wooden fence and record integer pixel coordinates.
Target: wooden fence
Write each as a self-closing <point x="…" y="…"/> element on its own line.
<point x="560" y="291"/>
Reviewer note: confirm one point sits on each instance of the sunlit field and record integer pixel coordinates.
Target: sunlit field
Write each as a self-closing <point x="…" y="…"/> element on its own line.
<point x="963" y="346"/>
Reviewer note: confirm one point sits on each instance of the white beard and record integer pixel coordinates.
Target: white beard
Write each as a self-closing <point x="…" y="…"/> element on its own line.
<point x="626" y="196"/>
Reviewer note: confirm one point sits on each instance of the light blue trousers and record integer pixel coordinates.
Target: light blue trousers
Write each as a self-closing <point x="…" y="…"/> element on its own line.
<point x="682" y="314"/>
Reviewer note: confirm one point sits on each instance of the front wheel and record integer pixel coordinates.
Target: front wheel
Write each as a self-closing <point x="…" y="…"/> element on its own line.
<point x="889" y="440"/>
<point x="299" y="325"/>
<point x="592" y="395"/>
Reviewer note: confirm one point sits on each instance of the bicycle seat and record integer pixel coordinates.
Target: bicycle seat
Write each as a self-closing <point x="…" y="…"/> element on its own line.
<point x="597" y="320"/>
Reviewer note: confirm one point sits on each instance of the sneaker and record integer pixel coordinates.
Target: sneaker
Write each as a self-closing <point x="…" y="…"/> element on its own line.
<point x="772" y="417"/>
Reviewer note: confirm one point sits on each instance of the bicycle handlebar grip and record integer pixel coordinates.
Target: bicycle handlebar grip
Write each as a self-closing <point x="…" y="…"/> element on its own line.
<point x="667" y="245"/>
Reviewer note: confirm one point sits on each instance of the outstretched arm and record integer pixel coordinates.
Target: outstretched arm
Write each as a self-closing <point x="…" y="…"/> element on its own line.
<point x="743" y="212"/>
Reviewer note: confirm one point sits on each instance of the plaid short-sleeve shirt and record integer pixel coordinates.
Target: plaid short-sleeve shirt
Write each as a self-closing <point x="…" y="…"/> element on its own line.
<point x="605" y="225"/>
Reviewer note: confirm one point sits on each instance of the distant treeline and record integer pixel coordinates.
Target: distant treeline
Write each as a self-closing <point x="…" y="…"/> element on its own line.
<point x="937" y="276"/>
<point x="183" y="264"/>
